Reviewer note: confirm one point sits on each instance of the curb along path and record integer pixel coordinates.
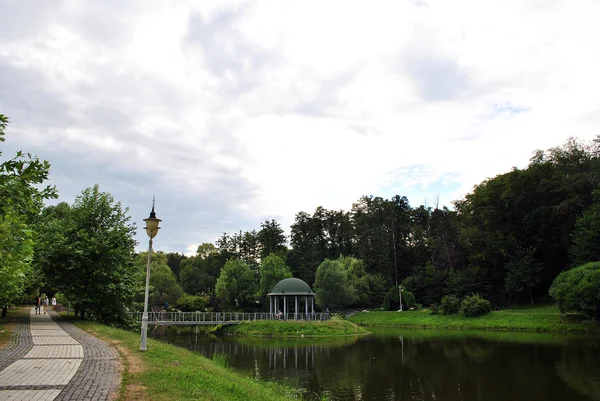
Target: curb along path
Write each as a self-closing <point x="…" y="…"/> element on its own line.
<point x="48" y="361"/>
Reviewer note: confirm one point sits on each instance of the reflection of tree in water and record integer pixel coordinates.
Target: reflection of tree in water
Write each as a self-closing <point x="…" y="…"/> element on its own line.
<point x="579" y="368"/>
<point x="388" y="368"/>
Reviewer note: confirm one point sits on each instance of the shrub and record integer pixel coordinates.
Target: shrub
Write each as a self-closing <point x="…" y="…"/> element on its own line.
<point x="434" y="308"/>
<point x="391" y="301"/>
<point x="191" y="303"/>
<point x="450" y="304"/>
<point x="578" y="290"/>
<point x="475" y="305"/>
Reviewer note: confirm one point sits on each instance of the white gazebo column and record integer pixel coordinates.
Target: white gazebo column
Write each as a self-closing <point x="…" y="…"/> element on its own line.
<point x="271" y="305"/>
<point x="284" y="307"/>
<point x="306" y="306"/>
<point x="296" y="308"/>
<point x="312" y="304"/>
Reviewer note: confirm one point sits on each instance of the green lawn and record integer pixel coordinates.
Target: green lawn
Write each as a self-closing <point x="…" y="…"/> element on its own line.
<point x="277" y="328"/>
<point x="540" y="319"/>
<point x="167" y="372"/>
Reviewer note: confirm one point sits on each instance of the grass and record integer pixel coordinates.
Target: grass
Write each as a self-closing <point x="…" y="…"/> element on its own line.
<point x="538" y="319"/>
<point x="276" y="328"/>
<point x="6" y="323"/>
<point x="167" y="372"/>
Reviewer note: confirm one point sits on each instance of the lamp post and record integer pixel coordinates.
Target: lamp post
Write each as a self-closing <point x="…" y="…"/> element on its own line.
<point x="400" y="296"/>
<point x="151" y="229"/>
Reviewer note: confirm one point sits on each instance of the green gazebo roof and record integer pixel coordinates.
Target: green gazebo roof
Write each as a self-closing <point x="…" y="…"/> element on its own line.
<point x="291" y="286"/>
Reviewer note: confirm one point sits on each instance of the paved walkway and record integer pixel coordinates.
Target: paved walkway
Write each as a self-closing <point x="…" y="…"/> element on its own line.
<point x="47" y="360"/>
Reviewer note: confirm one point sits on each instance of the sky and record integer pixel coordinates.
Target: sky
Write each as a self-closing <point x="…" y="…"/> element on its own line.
<point x="234" y="112"/>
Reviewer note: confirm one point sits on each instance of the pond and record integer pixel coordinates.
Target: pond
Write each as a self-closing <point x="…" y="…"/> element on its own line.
<point x="408" y="364"/>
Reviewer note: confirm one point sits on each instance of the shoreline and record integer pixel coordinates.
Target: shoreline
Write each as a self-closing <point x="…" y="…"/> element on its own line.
<point x="295" y="329"/>
<point x="537" y="319"/>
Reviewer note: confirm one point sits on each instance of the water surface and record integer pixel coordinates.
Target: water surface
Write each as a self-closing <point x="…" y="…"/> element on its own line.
<point x="408" y="364"/>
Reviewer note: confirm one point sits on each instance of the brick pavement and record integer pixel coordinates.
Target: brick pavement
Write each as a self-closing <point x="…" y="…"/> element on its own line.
<point x="48" y="360"/>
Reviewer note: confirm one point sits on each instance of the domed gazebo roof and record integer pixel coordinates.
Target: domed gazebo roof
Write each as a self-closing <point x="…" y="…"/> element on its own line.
<point x="291" y="286"/>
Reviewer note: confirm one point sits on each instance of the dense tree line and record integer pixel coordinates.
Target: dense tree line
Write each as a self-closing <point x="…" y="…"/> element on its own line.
<point x="507" y="240"/>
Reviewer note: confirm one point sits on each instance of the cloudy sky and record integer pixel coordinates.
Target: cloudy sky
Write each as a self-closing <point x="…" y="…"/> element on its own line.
<point x="235" y="112"/>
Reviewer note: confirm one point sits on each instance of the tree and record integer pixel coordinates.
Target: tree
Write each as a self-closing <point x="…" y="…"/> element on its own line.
<point x="586" y="235"/>
<point x="523" y="272"/>
<point x="174" y="260"/>
<point x="236" y="284"/>
<point x="332" y="286"/>
<point x="21" y="200"/>
<point x="92" y="260"/>
<point x="271" y="239"/>
<point x="272" y="271"/>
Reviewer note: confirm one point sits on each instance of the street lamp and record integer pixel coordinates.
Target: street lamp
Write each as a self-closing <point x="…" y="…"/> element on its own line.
<point x="151" y="229"/>
<point x="400" y="296"/>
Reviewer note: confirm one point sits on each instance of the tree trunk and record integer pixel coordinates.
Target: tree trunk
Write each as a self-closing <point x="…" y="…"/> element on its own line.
<point x="530" y="296"/>
<point x="4" y="310"/>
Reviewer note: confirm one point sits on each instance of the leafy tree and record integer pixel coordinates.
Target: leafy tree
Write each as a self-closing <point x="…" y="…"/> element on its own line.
<point x="199" y="273"/>
<point x="586" y="235"/>
<point x="271" y="239"/>
<point x="236" y="284"/>
<point x="92" y="258"/>
<point x="21" y="200"/>
<point x="523" y="272"/>
<point x="272" y="271"/>
<point x="332" y="286"/>
<point x="174" y="260"/>
<point x="165" y="288"/>
<point x="578" y="290"/>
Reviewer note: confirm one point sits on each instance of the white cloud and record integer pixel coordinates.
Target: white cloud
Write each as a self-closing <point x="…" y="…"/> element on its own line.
<point x="233" y="112"/>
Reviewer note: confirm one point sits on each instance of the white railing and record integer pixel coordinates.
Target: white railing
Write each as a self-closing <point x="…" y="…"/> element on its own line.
<point x="221" y="317"/>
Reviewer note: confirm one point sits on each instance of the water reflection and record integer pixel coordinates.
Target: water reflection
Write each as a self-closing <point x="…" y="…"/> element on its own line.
<point x="418" y="365"/>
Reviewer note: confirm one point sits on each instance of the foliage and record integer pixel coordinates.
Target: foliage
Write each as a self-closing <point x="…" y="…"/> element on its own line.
<point x="272" y="271"/>
<point x="87" y="253"/>
<point x="192" y="303"/>
<point x="332" y="285"/>
<point x="164" y="287"/>
<point x="236" y="284"/>
<point x="21" y="200"/>
<point x="392" y="300"/>
<point x="271" y="239"/>
<point x="474" y="305"/>
<point x="450" y="304"/>
<point x="586" y="235"/>
<point x="523" y="271"/>
<point x="198" y="274"/>
<point x="578" y="290"/>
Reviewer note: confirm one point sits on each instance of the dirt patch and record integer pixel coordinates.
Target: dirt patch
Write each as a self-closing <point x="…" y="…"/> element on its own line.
<point x="131" y="367"/>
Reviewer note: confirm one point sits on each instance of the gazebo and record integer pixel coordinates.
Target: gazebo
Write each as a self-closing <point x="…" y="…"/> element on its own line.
<point x="288" y="290"/>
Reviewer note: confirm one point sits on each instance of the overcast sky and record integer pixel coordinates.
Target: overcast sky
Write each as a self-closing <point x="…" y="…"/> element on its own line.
<point x="236" y="112"/>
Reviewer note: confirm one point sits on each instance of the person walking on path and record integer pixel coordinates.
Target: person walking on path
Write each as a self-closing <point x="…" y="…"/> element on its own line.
<point x="53" y="303"/>
<point x="38" y="305"/>
<point x="45" y="305"/>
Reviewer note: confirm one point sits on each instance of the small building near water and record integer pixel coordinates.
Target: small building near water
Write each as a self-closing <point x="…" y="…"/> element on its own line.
<point x="292" y="296"/>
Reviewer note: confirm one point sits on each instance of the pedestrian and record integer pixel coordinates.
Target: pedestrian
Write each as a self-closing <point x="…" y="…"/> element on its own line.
<point x="38" y="305"/>
<point x="53" y="303"/>
<point x="326" y="313"/>
<point x="45" y="305"/>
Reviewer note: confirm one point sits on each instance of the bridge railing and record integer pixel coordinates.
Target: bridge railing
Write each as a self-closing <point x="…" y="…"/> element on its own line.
<point x="200" y="317"/>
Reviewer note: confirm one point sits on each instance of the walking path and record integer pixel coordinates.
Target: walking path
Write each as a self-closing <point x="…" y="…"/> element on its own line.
<point x="48" y="360"/>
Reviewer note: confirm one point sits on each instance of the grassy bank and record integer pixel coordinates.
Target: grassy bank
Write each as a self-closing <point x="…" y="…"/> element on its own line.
<point x="277" y="328"/>
<point x="539" y="319"/>
<point x="166" y="372"/>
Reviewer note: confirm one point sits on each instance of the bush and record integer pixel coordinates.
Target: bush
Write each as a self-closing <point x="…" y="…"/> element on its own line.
<point x="391" y="301"/>
<point x="450" y="304"/>
<point x="578" y="290"/>
<point x="434" y="308"/>
<point x="475" y="305"/>
<point x="191" y="303"/>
